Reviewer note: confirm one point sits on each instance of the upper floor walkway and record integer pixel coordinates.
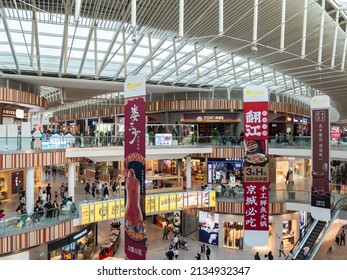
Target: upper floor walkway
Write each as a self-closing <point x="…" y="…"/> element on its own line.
<point x="61" y="149"/>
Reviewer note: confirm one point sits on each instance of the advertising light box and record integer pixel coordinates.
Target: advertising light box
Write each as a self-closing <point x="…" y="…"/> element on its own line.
<point x="163" y="139"/>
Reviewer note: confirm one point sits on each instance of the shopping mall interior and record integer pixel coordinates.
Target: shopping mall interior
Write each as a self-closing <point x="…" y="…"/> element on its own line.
<point x="225" y="102"/>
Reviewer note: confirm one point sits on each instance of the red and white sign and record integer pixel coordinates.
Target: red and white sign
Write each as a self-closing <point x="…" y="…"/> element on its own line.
<point x="256" y="186"/>
<point x="256" y="120"/>
<point x="256" y="213"/>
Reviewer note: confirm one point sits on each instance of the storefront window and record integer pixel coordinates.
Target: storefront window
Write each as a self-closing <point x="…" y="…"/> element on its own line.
<point x="79" y="246"/>
<point x="233" y="235"/>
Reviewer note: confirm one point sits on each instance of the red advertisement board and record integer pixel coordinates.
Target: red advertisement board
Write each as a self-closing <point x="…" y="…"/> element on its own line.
<point x="256" y="177"/>
<point x="256" y="206"/>
<point x="134" y="160"/>
<point x="256" y="120"/>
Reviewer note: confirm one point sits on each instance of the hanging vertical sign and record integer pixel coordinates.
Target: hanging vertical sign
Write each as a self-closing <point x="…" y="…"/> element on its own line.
<point x="134" y="160"/>
<point x="256" y="171"/>
<point x="320" y="147"/>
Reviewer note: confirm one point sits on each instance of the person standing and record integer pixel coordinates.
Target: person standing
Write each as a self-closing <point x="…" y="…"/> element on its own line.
<point x="342" y="238"/>
<point x="93" y="190"/>
<point x="176" y="252"/>
<point x="208" y="252"/>
<point x="48" y="191"/>
<point x="290" y="255"/>
<point x="202" y="250"/>
<point x="166" y="232"/>
<point x="256" y="256"/>
<point x="87" y="190"/>
<point x="281" y="250"/>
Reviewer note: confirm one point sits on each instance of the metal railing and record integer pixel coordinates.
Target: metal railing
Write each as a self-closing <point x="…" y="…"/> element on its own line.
<point x="39" y="219"/>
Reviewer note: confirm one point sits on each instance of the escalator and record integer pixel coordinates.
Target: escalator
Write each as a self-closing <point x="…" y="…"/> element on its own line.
<point x="311" y="240"/>
<point x="315" y="233"/>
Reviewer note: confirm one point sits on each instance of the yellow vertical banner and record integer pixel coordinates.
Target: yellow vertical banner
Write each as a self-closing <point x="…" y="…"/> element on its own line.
<point x="104" y="211"/>
<point x="121" y="208"/>
<point x="117" y="208"/>
<point x="111" y="209"/>
<point x="212" y="199"/>
<point x="179" y="201"/>
<point x="85" y="214"/>
<point x="156" y="203"/>
<point x="164" y="202"/>
<point x="91" y="213"/>
<point x="172" y="201"/>
<point x="98" y="211"/>
<point x="148" y="204"/>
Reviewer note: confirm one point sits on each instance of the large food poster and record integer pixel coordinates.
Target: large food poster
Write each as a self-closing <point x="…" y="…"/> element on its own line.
<point x="320" y="135"/>
<point x="134" y="160"/>
<point x="256" y="173"/>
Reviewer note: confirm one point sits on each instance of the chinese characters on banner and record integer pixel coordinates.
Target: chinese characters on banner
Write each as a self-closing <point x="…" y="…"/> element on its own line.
<point x="256" y="172"/>
<point x="320" y="193"/>
<point x="134" y="160"/>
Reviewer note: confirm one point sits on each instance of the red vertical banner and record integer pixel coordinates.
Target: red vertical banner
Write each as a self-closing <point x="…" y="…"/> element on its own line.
<point x="256" y="171"/>
<point x="134" y="160"/>
<point x="320" y="147"/>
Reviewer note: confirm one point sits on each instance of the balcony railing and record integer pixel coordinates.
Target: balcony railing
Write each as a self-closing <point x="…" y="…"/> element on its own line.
<point x="157" y="139"/>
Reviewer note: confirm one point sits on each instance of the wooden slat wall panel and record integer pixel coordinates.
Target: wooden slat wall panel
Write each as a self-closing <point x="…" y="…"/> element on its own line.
<point x="184" y="105"/>
<point x="11" y="161"/>
<point x="26" y="240"/>
<point x="16" y="96"/>
<point x="231" y="207"/>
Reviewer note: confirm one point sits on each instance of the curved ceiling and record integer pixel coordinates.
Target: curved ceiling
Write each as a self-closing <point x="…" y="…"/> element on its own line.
<point x="296" y="48"/>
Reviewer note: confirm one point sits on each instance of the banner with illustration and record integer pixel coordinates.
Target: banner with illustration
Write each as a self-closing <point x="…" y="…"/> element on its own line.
<point x="134" y="160"/>
<point x="255" y="170"/>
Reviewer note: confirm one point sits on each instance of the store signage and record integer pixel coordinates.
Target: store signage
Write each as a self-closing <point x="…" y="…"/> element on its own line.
<point x="205" y="117"/>
<point x="134" y="160"/>
<point x="20" y="114"/>
<point x="320" y="192"/>
<point x="80" y="234"/>
<point x="255" y="167"/>
<point x="256" y="174"/>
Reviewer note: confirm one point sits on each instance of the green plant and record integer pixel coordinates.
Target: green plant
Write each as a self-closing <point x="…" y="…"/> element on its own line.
<point x="194" y="137"/>
<point x="168" y="185"/>
<point x="151" y="136"/>
<point x="215" y="134"/>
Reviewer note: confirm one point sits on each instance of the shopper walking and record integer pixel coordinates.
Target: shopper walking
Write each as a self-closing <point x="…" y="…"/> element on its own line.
<point x="208" y="252"/>
<point x="281" y="250"/>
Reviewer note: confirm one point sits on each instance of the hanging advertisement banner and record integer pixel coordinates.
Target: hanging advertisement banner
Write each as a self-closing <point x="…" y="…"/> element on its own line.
<point x="320" y="147"/>
<point x="255" y="170"/>
<point x="134" y="160"/>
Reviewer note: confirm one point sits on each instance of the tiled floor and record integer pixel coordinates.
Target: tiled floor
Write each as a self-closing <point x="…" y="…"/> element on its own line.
<point x="158" y="246"/>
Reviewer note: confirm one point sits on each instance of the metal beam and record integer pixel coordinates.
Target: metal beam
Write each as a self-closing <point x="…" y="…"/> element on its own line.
<point x="10" y="42"/>
<point x="150" y="57"/>
<point x="126" y="57"/>
<point x="86" y="48"/>
<point x="37" y="45"/>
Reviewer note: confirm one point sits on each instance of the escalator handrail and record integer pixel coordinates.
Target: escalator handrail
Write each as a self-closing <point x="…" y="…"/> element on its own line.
<point x="303" y="240"/>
